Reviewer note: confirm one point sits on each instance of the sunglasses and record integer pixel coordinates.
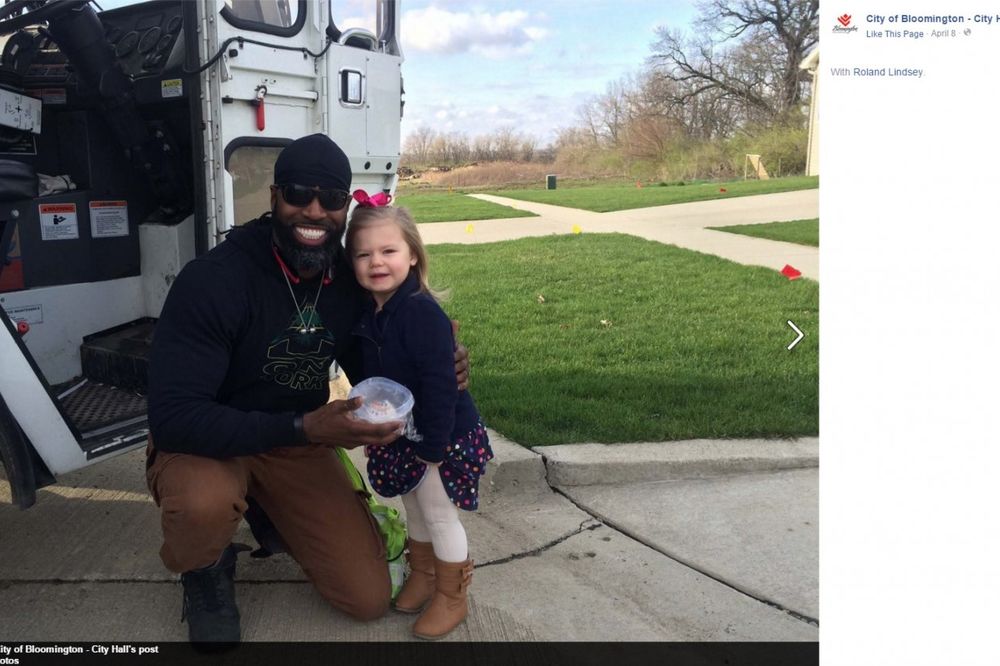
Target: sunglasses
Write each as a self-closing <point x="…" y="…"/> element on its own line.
<point x="301" y="196"/>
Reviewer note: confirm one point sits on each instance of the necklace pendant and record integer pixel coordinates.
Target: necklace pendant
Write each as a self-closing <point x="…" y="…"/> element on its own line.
<point x="304" y="326"/>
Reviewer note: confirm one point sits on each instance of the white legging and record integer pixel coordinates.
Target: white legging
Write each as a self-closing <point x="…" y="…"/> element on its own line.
<point x="430" y="516"/>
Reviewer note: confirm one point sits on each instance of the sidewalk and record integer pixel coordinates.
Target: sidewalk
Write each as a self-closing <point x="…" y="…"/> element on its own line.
<point x="723" y="551"/>
<point x="683" y="225"/>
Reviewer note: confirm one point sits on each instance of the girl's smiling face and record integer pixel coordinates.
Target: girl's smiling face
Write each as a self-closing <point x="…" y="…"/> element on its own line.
<point x="382" y="259"/>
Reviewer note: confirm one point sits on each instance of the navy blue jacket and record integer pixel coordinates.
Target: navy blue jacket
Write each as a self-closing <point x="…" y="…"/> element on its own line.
<point x="410" y="341"/>
<point x="228" y="368"/>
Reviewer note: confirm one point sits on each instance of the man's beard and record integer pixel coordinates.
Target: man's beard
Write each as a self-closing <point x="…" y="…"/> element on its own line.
<point x="303" y="258"/>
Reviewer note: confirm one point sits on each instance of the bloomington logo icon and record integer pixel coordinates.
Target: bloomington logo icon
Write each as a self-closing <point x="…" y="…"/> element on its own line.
<point x="844" y="24"/>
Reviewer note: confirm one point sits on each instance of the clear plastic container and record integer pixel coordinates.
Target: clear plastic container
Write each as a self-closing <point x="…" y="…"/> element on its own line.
<point x="384" y="400"/>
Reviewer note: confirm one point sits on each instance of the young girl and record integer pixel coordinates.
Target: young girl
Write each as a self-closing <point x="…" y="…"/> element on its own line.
<point x="407" y="337"/>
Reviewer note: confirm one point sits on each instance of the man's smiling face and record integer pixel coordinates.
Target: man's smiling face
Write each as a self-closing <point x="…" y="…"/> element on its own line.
<point x="308" y="236"/>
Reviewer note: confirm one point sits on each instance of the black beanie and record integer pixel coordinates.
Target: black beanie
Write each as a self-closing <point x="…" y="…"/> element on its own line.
<point x="313" y="161"/>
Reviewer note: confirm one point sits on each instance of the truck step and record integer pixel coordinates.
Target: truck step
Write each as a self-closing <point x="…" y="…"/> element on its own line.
<point x="106" y="417"/>
<point x="119" y="356"/>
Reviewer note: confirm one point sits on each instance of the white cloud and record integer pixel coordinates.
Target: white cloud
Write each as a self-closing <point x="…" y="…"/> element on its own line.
<point x="495" y="35"/>
<point x="367" y="22"/>
<point x="537" y="116"/>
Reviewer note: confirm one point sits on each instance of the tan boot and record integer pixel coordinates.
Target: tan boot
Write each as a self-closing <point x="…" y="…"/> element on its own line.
<point x="449" y="606"/>
<point x="419" y="586"/>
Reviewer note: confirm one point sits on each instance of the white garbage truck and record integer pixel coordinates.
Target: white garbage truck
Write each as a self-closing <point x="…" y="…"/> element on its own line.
<point x="131" y="140"/>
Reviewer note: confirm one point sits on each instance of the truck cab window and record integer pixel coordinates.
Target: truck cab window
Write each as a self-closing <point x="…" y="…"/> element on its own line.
<point x="270" y="13"/>
<point x="252" y="168"/>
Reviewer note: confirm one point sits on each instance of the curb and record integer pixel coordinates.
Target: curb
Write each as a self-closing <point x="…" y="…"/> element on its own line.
<point x="516" y="467"/>
<point x="513" y="466"/>
<point x="590" y="464"/>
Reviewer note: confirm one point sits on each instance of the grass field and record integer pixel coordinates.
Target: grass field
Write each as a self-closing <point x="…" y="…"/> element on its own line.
<point x="610" y="338"/>
<point x="602" y="199"/>
<point x="803" y="232"/>
<point x="446" y="207"/>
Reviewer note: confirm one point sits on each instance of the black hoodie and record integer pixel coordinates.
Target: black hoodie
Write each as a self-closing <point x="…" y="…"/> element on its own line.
<point x="228" y="367"/>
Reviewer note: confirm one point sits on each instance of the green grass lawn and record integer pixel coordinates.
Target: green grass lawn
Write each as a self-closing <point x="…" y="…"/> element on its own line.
<point x="448" y="207"/>
<point x="602" y="199"/>
<point x="803" y="232"/>
<point x="611" y="338"/>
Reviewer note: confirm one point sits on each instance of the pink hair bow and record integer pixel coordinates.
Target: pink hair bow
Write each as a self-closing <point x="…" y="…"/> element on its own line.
<point x="374" y="201"/>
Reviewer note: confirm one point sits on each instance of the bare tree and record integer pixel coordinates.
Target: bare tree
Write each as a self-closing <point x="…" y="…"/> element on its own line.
<point x="459" y="151"/>
<point x="505" y="144"/>
<point x="418" y="144"/>
<point x="526" y="149"/>
<point x="425" y="146"/>
<point x="746" y="55"/>
<point x="590" y="120"/>
<point x="604" y="116"/>
<point x="438" y="152"/>
<point x="482" y="148"/>
<point x="571" y="137"/>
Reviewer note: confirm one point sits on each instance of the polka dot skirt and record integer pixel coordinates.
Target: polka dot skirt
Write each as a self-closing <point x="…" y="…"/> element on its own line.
<point x="394" y="469"/>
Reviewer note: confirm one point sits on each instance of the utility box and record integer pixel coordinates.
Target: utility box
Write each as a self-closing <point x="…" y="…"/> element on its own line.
<point x="550" y="182"/>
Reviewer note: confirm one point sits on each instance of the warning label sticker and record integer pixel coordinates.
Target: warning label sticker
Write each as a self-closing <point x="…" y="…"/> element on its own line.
<point x="171" y="88"/>
<point x="58" y="221"/>
<point x="20" y="111"/>
<point x="29" y="313"/>
<point x="108" y="219"/>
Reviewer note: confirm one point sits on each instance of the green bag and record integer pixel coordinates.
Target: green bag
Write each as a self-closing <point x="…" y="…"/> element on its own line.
<point x="390" y="524"/>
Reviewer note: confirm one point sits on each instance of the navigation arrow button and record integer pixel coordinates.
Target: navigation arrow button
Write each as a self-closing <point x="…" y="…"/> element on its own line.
<point x="799" y="337"/>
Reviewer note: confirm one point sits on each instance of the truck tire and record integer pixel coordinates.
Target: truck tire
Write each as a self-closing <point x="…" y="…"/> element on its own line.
<point x="17" y="459"/>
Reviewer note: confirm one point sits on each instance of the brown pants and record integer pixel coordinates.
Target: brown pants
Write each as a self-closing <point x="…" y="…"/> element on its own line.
<point x="305" y="491"/>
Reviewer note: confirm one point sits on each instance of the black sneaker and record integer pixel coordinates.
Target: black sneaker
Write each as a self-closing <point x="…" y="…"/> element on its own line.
<point x="210" y="601"/>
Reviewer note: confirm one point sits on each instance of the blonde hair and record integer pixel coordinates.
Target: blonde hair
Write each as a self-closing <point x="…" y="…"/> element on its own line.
<point x="367" y="216"/>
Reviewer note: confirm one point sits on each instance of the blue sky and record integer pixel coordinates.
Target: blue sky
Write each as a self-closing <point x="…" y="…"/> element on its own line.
<point x="475" y="67"/>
